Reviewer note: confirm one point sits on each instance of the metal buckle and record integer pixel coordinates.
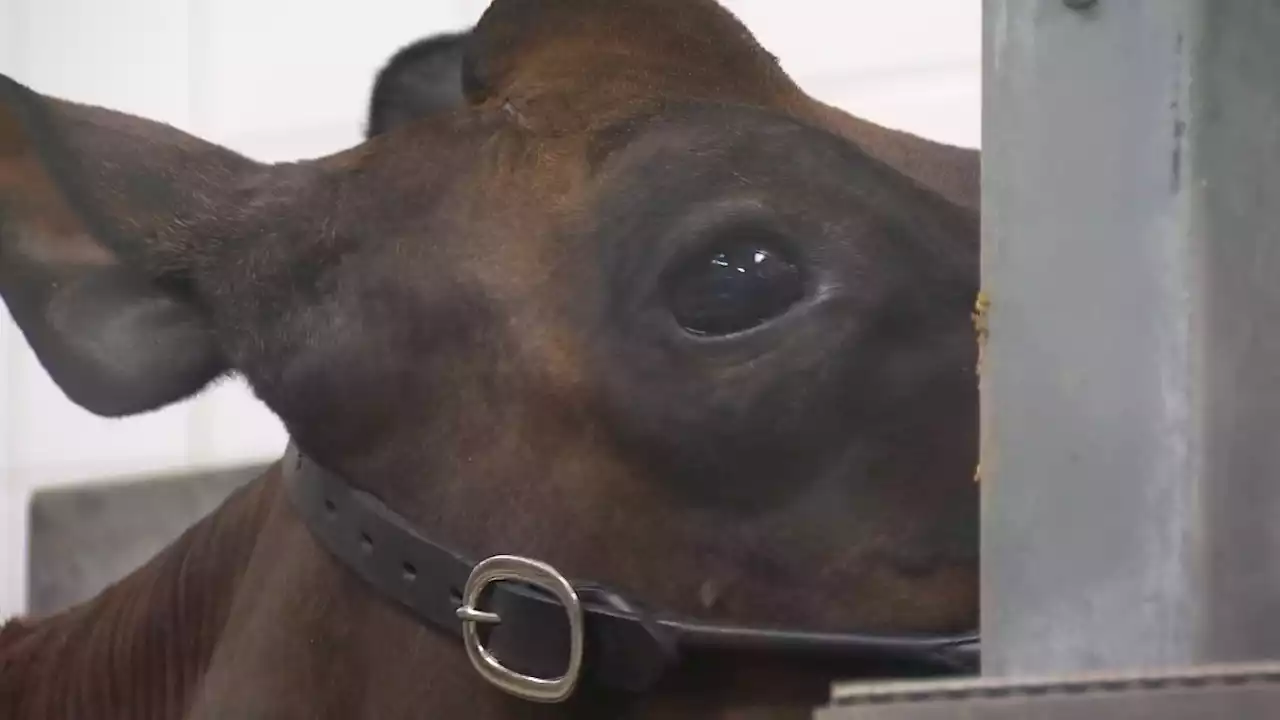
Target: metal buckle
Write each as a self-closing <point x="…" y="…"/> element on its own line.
<point x="509" y="567"/>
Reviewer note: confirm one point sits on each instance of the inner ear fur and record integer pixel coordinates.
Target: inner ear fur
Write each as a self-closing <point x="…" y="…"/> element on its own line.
<point x="109" y="227"/>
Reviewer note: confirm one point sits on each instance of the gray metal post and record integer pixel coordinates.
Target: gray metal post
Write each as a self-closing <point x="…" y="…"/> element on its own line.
<point x="1131" y="370"/>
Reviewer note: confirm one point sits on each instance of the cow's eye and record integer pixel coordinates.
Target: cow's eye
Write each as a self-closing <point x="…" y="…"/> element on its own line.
<point x="733" y="288"/>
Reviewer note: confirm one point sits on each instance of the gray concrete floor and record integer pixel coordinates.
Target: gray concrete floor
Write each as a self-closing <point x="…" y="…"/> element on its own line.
<point x="85" y="538"/>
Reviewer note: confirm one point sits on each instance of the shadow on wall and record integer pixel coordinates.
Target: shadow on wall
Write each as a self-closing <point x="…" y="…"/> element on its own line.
<point x="85" y="538"/>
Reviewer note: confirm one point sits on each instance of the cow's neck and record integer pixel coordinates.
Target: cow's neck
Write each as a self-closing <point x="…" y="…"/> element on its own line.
<point x="307" y="639"/>
<point x="139" y="648"/>
<point x="347" y="653"/>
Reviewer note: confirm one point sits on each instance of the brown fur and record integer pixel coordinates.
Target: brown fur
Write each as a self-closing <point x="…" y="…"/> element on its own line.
<point x="431" y="314"/>
<point x="138" y="649"/>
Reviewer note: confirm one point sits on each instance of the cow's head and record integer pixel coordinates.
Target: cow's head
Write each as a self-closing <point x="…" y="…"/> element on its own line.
<point x="636" y="306"/>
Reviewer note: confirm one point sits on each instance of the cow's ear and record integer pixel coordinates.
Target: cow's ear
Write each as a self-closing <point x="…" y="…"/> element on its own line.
<point x="106" y="223"/>
<point x="419" y="80"/>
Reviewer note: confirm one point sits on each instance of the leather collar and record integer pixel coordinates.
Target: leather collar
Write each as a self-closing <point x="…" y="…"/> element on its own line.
<point x="538" y="635"/>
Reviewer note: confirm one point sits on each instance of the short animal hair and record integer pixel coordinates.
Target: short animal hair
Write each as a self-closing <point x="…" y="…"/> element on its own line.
<point x="420" y="79"/>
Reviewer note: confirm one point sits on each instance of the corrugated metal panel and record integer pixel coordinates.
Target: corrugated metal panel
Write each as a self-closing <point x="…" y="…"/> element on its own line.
<point x="1240" y="692"/>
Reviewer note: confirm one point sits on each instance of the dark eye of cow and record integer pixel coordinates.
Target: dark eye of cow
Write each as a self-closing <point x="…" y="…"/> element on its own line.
<point x="733" y="288"/>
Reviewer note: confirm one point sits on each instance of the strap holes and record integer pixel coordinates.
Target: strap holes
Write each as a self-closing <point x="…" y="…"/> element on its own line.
<point x="330" y="507"/>
<point x="366" y="542"/>
<point x="410" y="572"/>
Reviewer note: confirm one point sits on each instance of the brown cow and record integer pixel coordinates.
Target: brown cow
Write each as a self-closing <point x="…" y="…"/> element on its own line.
<point x="639" y="309"/>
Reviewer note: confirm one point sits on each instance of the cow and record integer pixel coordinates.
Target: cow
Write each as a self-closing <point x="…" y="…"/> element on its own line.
<point x="628" y="308"/>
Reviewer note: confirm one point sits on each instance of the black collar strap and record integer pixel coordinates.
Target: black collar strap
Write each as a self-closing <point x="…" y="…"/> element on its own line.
<point x="549" y="632"/>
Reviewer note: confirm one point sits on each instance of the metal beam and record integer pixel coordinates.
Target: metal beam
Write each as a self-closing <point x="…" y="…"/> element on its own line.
<point x="1239" y="692"/>
<point x="1131" y="364"/>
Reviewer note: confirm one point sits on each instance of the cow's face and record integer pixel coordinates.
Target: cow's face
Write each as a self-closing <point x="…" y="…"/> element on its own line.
<point x="636" y="306"/>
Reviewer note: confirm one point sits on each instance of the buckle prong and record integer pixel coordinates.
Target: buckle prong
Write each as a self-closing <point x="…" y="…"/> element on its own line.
<point x="500" y="568"/>
<point x="471" y="615"/>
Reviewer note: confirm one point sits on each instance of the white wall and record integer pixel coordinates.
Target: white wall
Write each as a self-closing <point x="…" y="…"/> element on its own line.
<point x="282" y="79"/>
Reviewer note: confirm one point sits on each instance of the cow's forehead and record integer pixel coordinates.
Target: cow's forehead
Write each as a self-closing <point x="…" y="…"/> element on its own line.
<point x="702" y="154"/>
<point x="694" y="135"/>
<point x="668" y="175"/>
